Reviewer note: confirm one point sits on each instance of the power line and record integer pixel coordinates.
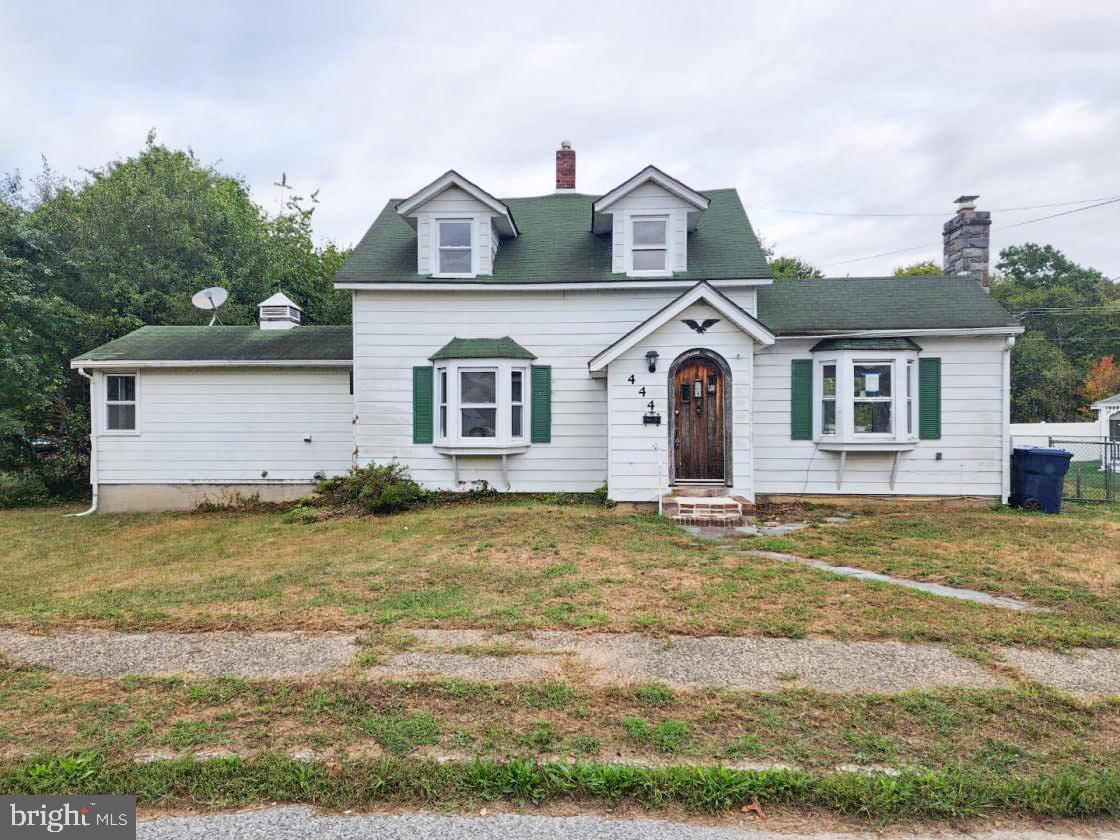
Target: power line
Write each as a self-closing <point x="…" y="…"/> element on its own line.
<point x="939" y="213"/>
<point x="1002" y="227"/>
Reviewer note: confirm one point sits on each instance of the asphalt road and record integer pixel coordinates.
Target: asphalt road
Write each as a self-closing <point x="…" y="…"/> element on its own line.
<point x="292" y="823"/>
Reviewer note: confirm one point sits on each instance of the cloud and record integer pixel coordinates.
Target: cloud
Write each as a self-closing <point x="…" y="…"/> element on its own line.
<point x="839" y="107"/>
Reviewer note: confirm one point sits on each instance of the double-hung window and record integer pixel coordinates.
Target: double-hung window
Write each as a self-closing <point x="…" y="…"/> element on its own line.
<point x="871" y="413"/>
<point x="454" y="247"/>
<point x="649" y="251"/>
<point x="481" y="402"/>
<point x="120" y="402"/>
<point x="828" y="398"/>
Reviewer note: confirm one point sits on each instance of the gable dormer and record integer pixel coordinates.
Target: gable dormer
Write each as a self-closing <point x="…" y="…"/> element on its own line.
<point x="649" y="217"/>
<point x="459" y="227"/>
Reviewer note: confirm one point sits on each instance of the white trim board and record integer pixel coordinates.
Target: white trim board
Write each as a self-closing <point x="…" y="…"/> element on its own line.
<point x="666" y="182"/>
<point x="449" y="179"/>
<point x="607" y="285"/>
<point x="700" y="292"/>
<point x="197" y="363"/>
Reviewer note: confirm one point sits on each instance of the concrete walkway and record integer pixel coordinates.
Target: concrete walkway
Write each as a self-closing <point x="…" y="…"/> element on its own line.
<point x="749" y="662"/>
<point x="109" y="654"/>
<point x="742" y="662"/>
<point x="922" y="586"/>
<point x="297" y="823"/>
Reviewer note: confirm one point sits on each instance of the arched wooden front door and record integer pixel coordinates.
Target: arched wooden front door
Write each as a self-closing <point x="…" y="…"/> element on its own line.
<point x="699" y="433"/>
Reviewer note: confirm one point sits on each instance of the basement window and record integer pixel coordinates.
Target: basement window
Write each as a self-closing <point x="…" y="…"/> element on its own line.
<point x="120" y="402"/>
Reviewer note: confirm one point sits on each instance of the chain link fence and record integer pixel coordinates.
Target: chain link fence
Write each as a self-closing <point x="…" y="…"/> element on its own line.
<point x="1092" y="475"/>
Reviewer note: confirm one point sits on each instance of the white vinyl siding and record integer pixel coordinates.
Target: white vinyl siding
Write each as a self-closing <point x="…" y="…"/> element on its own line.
<point x="395" y="331"/>
<point x="226" y="425"/>
<point x="971" y="429"/>
<point x="634" y="461"/>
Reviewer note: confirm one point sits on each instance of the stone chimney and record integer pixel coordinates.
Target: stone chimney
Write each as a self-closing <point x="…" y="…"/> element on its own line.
<point x="565" y="167"/>
<point x="965" y="238"/>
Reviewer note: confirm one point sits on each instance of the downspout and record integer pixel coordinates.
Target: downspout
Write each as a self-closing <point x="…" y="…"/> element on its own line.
<point x="92" y="445"/>
<point x="1005" y="431"/>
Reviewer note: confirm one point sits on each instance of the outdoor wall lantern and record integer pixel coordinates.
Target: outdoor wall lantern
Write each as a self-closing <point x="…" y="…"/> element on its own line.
<point x="651" y="357"/>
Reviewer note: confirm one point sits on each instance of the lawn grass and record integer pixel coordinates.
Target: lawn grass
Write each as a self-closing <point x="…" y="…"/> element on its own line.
<point x="1025" y="729"/>
<point x="516" y="564"/>
<point x="951" y="793"/>
<point x="1069" y="563"/>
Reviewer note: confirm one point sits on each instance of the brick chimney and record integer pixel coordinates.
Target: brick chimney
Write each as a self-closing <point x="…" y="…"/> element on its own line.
<point x="965" y="238"/>
<point x="565" y="167"/>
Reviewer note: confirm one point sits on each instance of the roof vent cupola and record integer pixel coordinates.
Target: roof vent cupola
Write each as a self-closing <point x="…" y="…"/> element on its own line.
<point x="279" y="312"/>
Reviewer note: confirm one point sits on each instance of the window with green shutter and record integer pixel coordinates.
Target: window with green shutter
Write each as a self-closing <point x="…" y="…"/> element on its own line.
<point x="540" y="412"/>
<point x="929" y="398"/>
<point x="801" y="399"/>
<point x="422" y="419"/>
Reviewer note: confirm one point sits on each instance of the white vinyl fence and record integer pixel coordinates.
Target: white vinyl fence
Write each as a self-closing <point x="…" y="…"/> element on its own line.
<point x="1039" y="434"/>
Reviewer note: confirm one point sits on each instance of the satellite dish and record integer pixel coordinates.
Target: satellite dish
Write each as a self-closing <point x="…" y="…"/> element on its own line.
<point x="210" y="299"/>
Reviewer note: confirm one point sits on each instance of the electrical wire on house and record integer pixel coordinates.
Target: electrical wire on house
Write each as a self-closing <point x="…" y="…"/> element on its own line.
<point x="1102" y="203"/>
<point x="939" y="213"/>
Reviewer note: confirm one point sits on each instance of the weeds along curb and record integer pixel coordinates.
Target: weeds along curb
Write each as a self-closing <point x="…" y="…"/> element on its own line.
<point x="958" y="791"/>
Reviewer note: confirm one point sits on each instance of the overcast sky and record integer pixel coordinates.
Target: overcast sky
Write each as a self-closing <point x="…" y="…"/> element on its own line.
<point x="846" y="107"/>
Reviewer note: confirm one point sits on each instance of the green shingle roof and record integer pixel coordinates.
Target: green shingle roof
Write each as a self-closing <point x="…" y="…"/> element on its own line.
<point x="227" y="344"/>
<point x="556" y="245"/>
<point x="882" y="343"/>
<point x="807" y="307"/>
<point x="482" y="348"/>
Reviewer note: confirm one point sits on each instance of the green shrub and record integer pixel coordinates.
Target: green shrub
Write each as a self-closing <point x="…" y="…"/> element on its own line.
<point x="377" y="488"/>
<point x="22" y="490"/>
<point x="301" y="515"/>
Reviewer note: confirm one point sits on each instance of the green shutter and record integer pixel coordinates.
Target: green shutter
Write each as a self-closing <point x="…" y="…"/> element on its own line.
<point x="801" y="400"/>
<point x="422" y="399"/>
<point x="541" y="409"/>
<point x="929" y="399"/>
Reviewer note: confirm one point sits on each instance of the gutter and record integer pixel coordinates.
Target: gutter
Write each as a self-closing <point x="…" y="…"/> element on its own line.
<point x="92" y="446"/>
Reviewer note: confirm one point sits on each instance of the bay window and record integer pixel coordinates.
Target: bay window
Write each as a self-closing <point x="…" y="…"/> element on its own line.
<point x="865" y="397"/>
<point x="481" y="402"/>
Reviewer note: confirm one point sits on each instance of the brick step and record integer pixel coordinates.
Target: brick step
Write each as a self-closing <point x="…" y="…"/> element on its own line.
<point x="707" y="510"/>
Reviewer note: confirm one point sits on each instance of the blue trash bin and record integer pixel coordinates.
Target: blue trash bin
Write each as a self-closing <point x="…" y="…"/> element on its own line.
<point x="1037" y="476"/>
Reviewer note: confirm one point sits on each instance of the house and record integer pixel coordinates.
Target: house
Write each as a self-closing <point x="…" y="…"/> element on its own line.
<point x="566" y="341"/>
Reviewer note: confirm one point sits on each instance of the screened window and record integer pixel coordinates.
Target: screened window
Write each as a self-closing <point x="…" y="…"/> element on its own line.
<point x="650" y="246"/>
<point x="516" y="403"/>
<point x="828" y="398"/>
<point x="455" y="251"/>
<point x="478" y="403"/>
<point x="120" y="402"/>
<point x="872" y="403"/>
<point x="443" y="402"/>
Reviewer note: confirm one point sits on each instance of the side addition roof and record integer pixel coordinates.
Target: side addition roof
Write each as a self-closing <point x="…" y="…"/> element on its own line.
<point x="224" y="346"/>
<point x="830" y="305"/>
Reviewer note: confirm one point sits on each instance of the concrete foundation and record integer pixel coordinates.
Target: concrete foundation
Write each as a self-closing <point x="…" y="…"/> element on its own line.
<point x="152" y="498"/>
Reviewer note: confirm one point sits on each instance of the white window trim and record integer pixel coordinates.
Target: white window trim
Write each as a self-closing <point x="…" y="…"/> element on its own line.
<point x="436" y="247"/>
<point x="104" y="425"/>
<point x="667" y="219"/>
<point x="845" y="361"/>
<point x="504" y="369"/>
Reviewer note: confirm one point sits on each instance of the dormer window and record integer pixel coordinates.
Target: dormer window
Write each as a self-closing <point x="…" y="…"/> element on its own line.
<point x="455" y="247"/>
<point x="650" y="249"/>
